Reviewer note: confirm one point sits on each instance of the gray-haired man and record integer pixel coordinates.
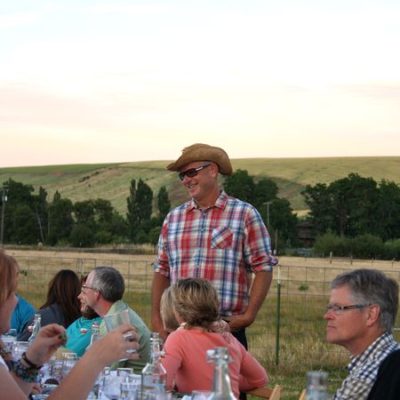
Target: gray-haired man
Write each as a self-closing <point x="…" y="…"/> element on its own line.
<point x="103" y="292"/>
<point x="360" y="316"/>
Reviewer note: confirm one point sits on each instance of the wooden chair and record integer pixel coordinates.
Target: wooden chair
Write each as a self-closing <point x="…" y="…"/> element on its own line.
<point x="266" y="392"/>
<point x="303" y="395"/>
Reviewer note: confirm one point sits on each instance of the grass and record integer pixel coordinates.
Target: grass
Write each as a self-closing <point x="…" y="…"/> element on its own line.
<point x="111" y="181"/>
<point x="304" y="292"/>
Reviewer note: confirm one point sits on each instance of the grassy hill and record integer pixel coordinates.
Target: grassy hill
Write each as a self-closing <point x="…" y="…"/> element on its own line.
<point x="111" y="181"/>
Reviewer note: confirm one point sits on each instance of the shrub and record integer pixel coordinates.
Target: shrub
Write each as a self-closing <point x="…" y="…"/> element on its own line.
<point x="329" y="242"/>
<point x="367" y="246"/>
<point x="391" y="249"/>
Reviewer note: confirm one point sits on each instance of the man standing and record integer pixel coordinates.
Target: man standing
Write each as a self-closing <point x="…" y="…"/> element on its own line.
<point x="360" y="316"/>
<point x="103" y="292"/>
<point x="215" y="237"/>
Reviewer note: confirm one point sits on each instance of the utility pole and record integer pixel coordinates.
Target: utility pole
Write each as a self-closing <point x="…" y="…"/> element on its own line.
<point x="4" y="191"/>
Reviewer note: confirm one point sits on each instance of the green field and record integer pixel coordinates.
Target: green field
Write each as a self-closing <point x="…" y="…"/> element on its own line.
<point x="111" y="181"/>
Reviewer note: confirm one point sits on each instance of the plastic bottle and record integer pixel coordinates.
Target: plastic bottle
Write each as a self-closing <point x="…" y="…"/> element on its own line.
<point x="154" y="375"/>
<point x="221" y="389"/>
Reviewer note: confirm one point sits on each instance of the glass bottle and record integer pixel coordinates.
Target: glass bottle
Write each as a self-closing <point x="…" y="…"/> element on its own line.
<point x="154" y="375"/>
<point x="317" y="385"/>
<point x="95" y="333"/>
<point x="35" y="327"/>
<point x="221" y="389"/>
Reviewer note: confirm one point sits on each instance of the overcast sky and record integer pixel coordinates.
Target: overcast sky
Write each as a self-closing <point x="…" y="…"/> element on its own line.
<point x="84" y="81"/>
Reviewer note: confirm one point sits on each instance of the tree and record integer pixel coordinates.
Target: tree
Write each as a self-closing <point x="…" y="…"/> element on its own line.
<point x="319" y="201"/>
<point x="283" y="222"/>
<point x="139" y="208"/>
<point x="163" y="203"/>
<point x="40" y="206"/>
<point x="60" y="219"/>
<point x="354" y="201"/>
<point x="265" y="190"/>
<point x="24" y="225"/>
<point x="18" y="195"/>
<point x="388" y="211"/>
<point x="240" y="185"/>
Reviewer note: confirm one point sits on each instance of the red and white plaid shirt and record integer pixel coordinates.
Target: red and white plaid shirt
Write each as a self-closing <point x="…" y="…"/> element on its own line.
<point x="221" y="244"/>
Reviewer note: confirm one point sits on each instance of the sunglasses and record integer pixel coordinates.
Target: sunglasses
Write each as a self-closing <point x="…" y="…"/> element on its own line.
<point x="192" y="172"/>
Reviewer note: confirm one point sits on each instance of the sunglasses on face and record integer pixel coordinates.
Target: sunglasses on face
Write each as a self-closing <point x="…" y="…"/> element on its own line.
<point x="192" y="172"/>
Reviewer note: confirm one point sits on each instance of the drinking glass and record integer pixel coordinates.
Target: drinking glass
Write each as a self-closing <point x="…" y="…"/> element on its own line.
<point x="18" y="349"/>
<point x="69" y="360"/>
<point x="129" y="390"/>
<point x="9" y="340"/>
<point x="112" y="321"/>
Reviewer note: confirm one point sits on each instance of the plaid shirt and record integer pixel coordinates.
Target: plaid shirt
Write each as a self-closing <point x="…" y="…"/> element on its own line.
<point x="222" y="244"/>
<point x="363" y="369"/>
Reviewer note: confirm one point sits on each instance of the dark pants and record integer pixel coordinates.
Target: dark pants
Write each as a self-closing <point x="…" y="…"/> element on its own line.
<point x="240" y="335"/>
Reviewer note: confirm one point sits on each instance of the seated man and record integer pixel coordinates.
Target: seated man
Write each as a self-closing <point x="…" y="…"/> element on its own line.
<point x="103" y="292"/>
<point x="361" y="312"/>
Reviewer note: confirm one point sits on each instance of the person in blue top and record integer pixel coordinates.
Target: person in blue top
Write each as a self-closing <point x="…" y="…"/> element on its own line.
<point x="22" y="315"/>
<point x="80" y="331"/>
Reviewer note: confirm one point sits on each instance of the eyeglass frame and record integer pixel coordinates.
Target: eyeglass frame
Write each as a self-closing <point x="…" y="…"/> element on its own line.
<point x="338" y="310"/>
<point x="84" y="287"/>
<point x="192" y="172"/>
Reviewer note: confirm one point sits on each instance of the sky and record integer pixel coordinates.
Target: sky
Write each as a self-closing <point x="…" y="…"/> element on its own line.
<point x="86" y="81"/>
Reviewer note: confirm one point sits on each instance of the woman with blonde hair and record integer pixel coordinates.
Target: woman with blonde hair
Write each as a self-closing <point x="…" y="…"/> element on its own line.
<point x="17" y="383"/>
<point x="195" y="305"/>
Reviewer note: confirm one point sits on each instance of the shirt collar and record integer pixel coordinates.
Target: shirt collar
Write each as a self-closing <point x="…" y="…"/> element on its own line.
<point x="374" y="349"/>
<point x="219" y="203"/>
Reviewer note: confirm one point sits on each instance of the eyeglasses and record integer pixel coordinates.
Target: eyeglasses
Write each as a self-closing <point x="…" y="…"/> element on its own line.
<point x="192" y="172"/>
<point x="336" y="309"/>
<point x="84" y="287"/>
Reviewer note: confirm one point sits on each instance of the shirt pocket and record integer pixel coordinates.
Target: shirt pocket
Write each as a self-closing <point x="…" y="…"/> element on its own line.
<point x="221" y="238"/>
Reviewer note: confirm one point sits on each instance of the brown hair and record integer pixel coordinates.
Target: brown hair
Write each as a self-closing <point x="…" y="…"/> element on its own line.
<point x="64" y="289"/>
<point x="8" y="276"/>
<point x="167" y="311"/>
<point x="196" y="302"/>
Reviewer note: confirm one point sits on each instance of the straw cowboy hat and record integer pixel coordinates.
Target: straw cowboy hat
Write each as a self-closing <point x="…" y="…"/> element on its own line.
<point x="203" y="152"/>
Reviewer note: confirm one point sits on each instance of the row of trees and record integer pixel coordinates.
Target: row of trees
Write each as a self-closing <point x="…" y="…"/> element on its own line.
<point x="30" y="218"/>
<point x="346" y="208"/>
<point x="354" y="206"/>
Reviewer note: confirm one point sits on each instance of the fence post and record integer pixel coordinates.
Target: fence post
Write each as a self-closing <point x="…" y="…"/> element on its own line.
<point x="278" y="316"/>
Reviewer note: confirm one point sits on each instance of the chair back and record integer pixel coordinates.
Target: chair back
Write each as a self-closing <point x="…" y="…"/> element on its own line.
<point x="303" y="395"/>
<point x="266" y="393"/>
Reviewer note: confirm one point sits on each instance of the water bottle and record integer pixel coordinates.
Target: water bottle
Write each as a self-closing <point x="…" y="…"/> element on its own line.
<point x="35" y="327"/>
<point x="221" y="389"/>
<point x="154" y="375"/>
<point x="95" y="333"/>
<point x="317" y="385"/>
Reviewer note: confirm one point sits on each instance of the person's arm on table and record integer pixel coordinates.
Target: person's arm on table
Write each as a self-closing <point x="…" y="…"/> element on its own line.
<point x="43" y="347"/>
<point x="112" y="347"/>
